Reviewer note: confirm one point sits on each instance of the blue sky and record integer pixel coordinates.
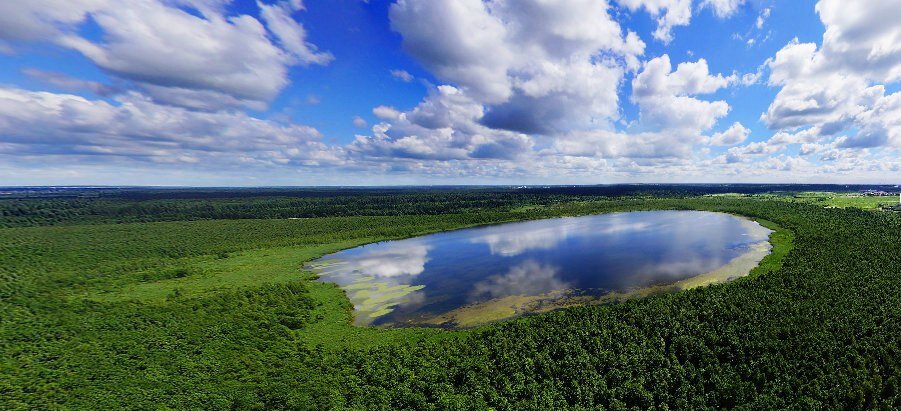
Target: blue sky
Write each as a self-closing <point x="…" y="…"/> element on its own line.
<point x="284" y="92"/>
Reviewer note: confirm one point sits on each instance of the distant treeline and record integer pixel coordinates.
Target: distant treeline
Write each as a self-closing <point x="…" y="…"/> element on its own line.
<point x="612" y="190"/>
<point x="35" y="206"/>
<point x="46" y="211"/>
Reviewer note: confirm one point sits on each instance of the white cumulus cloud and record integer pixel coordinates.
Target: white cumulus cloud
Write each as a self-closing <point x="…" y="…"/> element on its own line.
<point x="162" y="45"/>
<point x="134" y="127"/>
<point x="669" y="14"/>
<point x="735" y="134"/>
<point x="525" y="60"/>
<point x="839" y="86"/>
<point x="666" y="96"/>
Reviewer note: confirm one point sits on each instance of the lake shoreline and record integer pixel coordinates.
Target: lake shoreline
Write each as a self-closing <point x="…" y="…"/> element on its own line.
<point x="365" y="291"/>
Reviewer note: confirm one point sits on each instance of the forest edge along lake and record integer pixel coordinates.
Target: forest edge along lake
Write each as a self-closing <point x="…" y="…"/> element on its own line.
<point x="476" y="275"/>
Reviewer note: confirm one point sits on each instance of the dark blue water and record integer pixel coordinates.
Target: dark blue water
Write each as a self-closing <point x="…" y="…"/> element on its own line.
<point x="410" y="281"/>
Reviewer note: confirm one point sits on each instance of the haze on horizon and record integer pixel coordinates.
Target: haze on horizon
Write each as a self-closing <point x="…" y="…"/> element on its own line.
<point x="351" y="92"/>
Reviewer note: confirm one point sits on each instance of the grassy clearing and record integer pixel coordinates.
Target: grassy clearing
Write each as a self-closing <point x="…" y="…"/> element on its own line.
<point x="213" y="274"/>
<point x="843" y="200"/>
<point x="331" y="315"/>
<point x="821" y="198"/>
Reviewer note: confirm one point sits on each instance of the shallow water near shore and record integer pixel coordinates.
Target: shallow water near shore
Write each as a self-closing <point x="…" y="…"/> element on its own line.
<point x="472" y="276"/>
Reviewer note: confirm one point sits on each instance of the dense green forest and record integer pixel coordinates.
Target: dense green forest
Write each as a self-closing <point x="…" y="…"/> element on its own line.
<point x="184" y="300"/>
<point x="42" y="206"/>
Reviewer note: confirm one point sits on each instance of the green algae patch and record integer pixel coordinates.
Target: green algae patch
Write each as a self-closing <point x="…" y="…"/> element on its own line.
<point x="373" y="299"/>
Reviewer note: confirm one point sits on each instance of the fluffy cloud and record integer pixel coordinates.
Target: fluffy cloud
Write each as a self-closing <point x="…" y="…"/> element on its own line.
<point x="785" y="163"/>
<point x="620" y="145"/>
<point x="665" y="96"/>
<point x="864" y="38"/>
<point x="386" y="113"/>
<point x="807" y="138"/>
<point x="540" y="69"/>
<point x="290" y="33"/>
<point x="41" y="19"/>
<point x="674" y="13"/>
<point x="880" y="124"/>
<point x="531" y="93"/>
<point x="834" y="166"/>
<point x="669" y="14"/>
<point x="524" y="60"/>
<point x="559" y="97"/>
<point x="449" y="125"/>
<point x="459" y="41"/>
<point x="69" y="83"/>
<point x="517" y="69"/>
<point x="735" y="134"/>
<point x="174" y="52"/>
<point x="745" y="152"/>
<point x="836" y="87"/>
<point x="813" y="91"/>
<point x="536" y="68"/>
<point x="442" y="127"/>
<point x="40" y="123"/>
<point x="203" y="100"/>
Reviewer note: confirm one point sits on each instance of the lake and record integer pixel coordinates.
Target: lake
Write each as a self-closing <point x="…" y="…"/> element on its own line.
<point x="471" y="276"/>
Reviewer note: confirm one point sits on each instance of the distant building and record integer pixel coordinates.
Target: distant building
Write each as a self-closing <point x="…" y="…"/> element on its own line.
<point x="896" y="207"/>
<point x="876" y="193"/>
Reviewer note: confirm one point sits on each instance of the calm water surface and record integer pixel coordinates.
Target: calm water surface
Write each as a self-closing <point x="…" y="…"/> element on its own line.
<point x="502" y="270"/>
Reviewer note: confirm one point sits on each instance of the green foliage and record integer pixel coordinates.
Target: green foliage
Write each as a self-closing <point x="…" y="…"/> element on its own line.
<point x="218" y="314"/>
<point x="55" y="211"/>
<point x="843" y="200"/>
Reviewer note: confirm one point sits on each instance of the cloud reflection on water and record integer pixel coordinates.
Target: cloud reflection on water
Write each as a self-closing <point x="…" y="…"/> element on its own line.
<point x="410" y="281"/>
<point x="528" y="278"/>
<point x="379" y="279"/>
<point x="512" y="241"/>
<point x="402" y="259"/>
